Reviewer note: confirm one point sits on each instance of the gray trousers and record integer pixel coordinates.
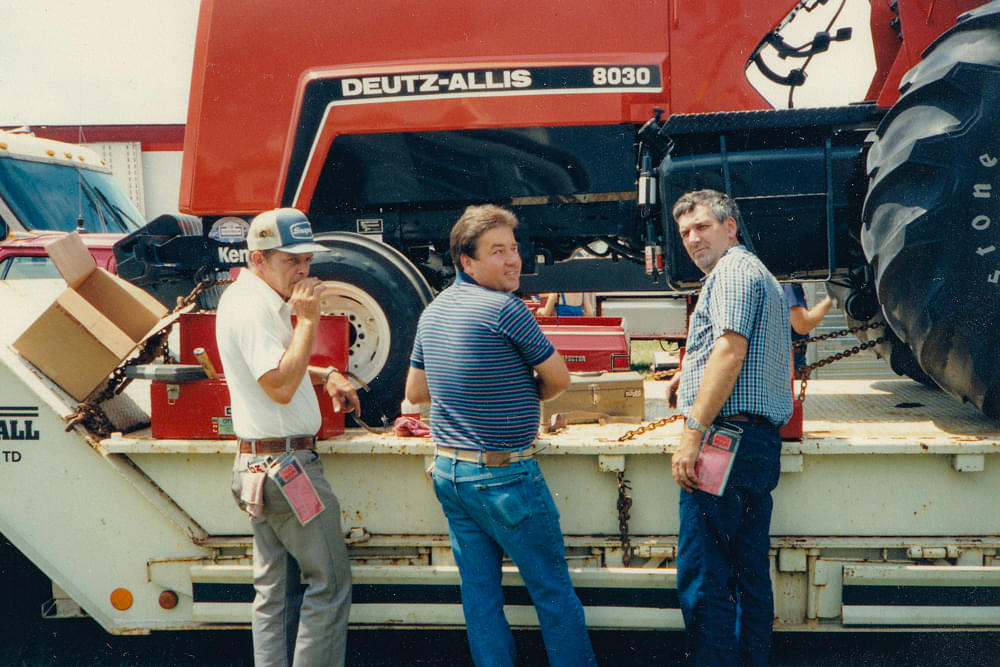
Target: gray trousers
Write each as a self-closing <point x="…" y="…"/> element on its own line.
<point x="320" y="635"/>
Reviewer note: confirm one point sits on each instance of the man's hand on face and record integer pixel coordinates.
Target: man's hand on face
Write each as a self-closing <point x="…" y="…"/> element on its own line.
<point x="305" y="299"/>
<point x="684" y="458"/>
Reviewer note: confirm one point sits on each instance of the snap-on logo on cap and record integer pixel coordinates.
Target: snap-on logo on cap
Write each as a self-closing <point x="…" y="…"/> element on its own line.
<point x="301" y="231"/>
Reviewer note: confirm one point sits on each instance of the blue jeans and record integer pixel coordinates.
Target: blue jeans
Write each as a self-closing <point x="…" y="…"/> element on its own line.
<point x="723" y="568"/>
<point x="492" y="511"/>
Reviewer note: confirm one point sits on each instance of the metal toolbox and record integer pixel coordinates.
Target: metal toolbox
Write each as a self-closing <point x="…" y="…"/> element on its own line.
<point x="618" y="394"/>
<point x="589" y="343"/>
<point x="200" y="410"/>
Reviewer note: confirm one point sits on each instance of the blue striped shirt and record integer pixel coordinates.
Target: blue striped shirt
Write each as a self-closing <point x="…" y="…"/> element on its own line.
<point x="477" y="347"/>
<point x="741" y="295"/>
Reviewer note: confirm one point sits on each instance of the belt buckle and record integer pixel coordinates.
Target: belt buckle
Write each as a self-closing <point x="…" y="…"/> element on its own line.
<point x="495" y="459"/>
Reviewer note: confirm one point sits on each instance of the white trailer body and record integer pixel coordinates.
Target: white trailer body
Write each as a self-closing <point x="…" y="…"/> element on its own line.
<point x="884" y="516"/>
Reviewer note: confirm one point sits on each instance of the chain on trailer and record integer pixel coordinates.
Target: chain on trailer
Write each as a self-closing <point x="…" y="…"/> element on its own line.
<point x="802" y="374"/>
<point x="624" y="503"/>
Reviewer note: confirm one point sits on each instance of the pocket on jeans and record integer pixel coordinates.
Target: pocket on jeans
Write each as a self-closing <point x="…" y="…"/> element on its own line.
<point x="506" y="501"/>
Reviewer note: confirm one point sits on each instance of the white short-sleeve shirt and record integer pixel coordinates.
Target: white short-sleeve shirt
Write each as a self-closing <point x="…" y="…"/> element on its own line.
<point x="253" y="328"/>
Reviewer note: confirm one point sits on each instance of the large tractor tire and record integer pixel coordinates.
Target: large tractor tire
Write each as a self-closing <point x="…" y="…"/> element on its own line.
<point x="382" y="294"/>
<point x="931" y="220"/>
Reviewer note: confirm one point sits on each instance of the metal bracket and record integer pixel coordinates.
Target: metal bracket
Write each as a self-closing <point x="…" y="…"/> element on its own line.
<point x="968" y="462"/>
<point x="611" y="462"/>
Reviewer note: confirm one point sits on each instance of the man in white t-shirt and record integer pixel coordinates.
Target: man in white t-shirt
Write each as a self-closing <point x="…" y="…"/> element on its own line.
<point x="275" y="410"/>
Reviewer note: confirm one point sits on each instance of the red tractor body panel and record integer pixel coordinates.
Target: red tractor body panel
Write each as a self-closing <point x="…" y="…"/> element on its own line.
<point x="253" y="63"/>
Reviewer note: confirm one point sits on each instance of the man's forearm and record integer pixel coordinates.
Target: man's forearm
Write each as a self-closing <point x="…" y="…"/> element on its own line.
<point x="417" y="390"/>
<point x="295" y="361"/>
<point x="721" y="372"/>
<point x="546" y="391"/>
<point x="281" y="383"/>
<point x="552" y="377"/>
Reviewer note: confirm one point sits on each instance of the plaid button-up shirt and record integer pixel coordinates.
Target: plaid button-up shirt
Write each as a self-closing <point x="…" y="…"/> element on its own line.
<point x="741" y="295"/>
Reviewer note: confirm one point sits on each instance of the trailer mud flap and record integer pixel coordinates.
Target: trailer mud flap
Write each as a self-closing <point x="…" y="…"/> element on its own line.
<point x="429" y="596"/>
<point x="921" y="595"/>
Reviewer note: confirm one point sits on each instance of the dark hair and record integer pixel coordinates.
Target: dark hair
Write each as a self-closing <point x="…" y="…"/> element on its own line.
<point x="719" y="203"/>
<point x="476" y="221"/>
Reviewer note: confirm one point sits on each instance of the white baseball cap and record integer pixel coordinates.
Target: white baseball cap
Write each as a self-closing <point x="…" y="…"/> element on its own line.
<point x="284" y="229"/>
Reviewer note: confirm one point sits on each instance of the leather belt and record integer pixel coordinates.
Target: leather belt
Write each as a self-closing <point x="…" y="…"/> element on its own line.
<point x="747" y="417"/>
<point x="277" y="445"/>
<point x="491" y="458"/>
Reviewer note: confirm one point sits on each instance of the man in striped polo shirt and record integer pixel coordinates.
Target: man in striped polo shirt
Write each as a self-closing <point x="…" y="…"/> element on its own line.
<point x="737" y="373"/>
<point x="481" y="361"/>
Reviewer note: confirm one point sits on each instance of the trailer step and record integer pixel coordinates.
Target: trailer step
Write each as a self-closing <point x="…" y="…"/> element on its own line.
<point x="921" y="595"/>
<point x="429" y="596"/>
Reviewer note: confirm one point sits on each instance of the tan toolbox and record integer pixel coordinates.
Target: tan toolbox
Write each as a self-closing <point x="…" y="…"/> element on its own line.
<point x="616" y="394"/>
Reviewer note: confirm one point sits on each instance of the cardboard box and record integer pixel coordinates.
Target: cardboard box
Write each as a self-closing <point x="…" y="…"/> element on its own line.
<point x="92" y="326"/>
<point x="618" y="394"/>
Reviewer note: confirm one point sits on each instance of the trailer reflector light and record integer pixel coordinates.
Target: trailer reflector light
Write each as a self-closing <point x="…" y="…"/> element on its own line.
<point x="121" y="599"/>
<point x="168" y="599"/>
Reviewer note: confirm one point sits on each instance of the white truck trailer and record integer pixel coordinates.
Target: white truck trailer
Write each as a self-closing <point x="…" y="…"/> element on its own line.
<point x="885" y="516"/>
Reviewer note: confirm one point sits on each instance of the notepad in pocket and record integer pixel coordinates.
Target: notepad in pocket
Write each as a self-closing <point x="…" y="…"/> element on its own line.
<point x="716" y="457"/>
<point x="295" y="485"/>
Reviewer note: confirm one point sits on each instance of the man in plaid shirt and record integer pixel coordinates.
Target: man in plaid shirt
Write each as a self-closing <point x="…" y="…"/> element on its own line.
<point x="737" y="373"/>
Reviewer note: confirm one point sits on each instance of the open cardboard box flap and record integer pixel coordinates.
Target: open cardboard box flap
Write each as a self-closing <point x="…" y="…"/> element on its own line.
<point x="92" y="326"/>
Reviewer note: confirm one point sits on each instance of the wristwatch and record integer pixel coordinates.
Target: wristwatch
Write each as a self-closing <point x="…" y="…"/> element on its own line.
<point x="695" y="425"/>
<point x="329" y="371"/>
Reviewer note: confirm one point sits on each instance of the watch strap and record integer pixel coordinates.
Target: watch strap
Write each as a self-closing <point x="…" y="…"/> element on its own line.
<point x="695" y="425"/>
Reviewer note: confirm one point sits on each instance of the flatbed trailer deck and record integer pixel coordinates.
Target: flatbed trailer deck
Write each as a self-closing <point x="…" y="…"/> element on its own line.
<point x="884" y="517"/>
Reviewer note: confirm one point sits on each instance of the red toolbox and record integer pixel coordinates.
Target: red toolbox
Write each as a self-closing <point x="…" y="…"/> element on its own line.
<point x="329" y="347"/>
<point x="199" y="409"/>
<point x="589" y="343"/>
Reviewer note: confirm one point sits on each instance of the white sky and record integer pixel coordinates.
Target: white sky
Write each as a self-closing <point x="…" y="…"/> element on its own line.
<point x="64" y="62"/>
